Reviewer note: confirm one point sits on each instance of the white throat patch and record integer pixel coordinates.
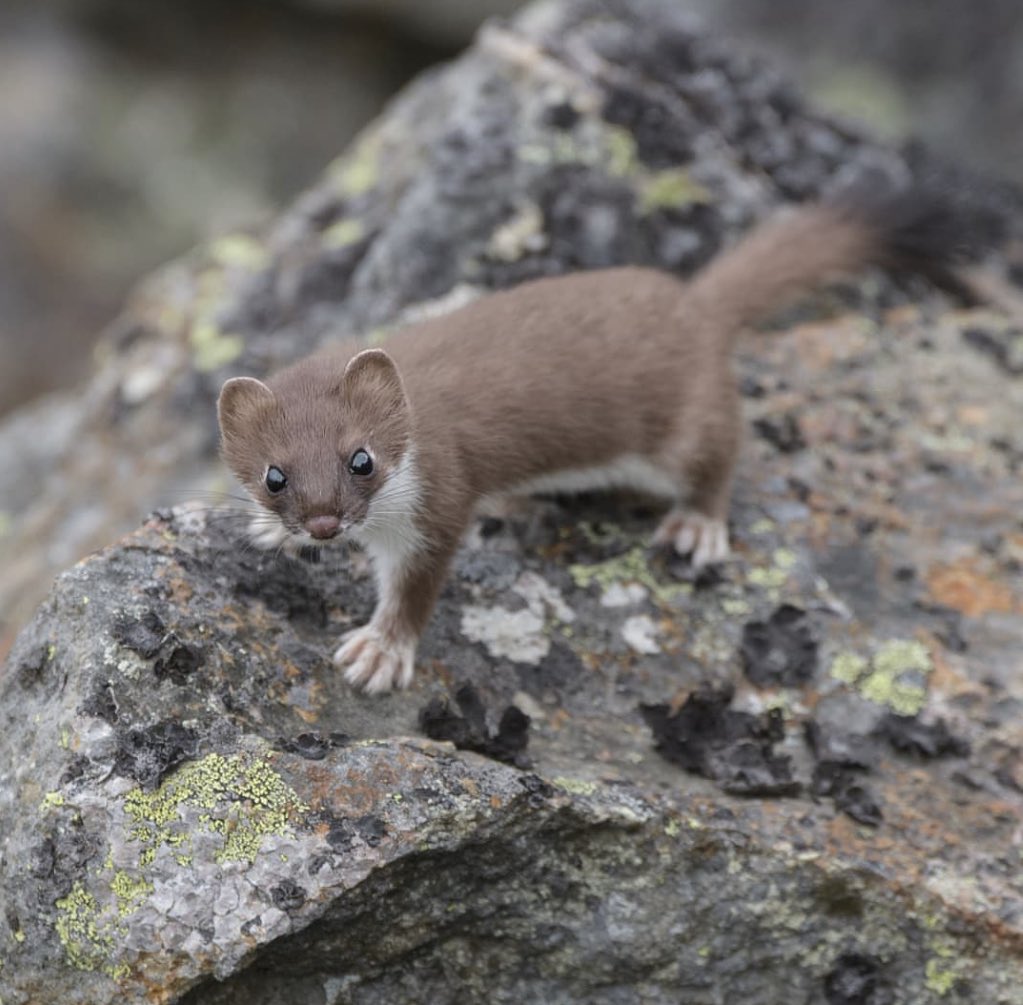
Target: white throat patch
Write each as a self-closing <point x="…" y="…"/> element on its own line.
<point x="389" y="533"/>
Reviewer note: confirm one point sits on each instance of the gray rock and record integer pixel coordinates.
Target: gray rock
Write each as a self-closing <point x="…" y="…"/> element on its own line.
<point x="197" y="809"/>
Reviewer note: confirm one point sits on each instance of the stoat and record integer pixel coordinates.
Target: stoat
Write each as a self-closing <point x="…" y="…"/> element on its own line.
<point x="619" y="377"/>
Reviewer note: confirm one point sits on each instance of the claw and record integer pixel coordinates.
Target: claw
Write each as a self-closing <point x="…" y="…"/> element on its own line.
<point x="703" y="538"/>
<point x="373" y="662"/>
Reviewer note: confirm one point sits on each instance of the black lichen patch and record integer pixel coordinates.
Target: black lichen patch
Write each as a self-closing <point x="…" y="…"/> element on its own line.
<point x="537" y="790"/>
<point x="589" y="220"/>
<point x="149" y="637"/>
<point x="180" y="661"/>
<point x="853" y="750"/>
<point x="340" y="833"/>
<point x="851" y="796"/>
<point x="783" y="432"/>
<point x="143" y="635"/>
<point x="288" y="895"/>
<point x="781" y="651"/>
<point x="371" y="829"/>
<point x="562" y="115"/>
<point x="842" y="760"/>
<point x="65" y="853"/>
<point x="1005" y="348"/>
<point x="146" y="755"/>
<point x="76" y="767"/>
<point x="681" y="238"/>
<point x="857" y="980"/>
<point x="663" y="140"/>
<point x="311" y="746"/>
<point x="733" y="748"/>
<point x="101" y="703"/>
<point x="907" y="734"/>
<point x="469" y="730"/>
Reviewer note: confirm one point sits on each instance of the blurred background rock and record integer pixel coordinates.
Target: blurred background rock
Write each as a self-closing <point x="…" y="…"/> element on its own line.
<point x="131" y="131"/>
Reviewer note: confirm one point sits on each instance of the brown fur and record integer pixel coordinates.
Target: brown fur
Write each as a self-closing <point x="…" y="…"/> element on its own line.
<point x="558" y="374"/>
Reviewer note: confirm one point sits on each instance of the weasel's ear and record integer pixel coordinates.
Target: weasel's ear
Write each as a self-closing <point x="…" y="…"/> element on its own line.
<point x="371" y="380"/>
<point x="240" y="403"/>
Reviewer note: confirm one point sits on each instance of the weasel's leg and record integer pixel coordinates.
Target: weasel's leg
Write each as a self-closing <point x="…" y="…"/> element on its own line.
<point x="380" y="656"/>
<point x="700" y="530"/>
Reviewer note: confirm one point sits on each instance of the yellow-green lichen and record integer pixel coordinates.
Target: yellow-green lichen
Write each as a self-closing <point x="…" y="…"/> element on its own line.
<point x="735" y="607"/>
<point x="939" y="977"/>
<point x="564" y="148"/>
<point x="630" y="567"/>
<point x="896" y="677"/>
<point x="622" y="158"/>
<point x="576" y="786"/>
<point x="212" y="347"/>
<point x="774" y="577"/>
<point x="666" y="189"/>
<point x="130" y="891"/>
<point x="848" y="667"/>
<point x="239" y="251"/>
<point x="86" y="940"/>
<point x="518" y="235"/>
<point x="343" y="233"/>
<point x="52" y="800"/>
<point x="245" y="801"/>
<point x="356" y="172"/>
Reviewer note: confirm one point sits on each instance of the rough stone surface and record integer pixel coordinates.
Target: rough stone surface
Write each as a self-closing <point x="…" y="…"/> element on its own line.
<point x="197" y="809"/>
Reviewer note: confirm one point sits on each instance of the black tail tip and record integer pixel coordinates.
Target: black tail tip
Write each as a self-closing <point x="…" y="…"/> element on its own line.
<point x="925" y="226"/>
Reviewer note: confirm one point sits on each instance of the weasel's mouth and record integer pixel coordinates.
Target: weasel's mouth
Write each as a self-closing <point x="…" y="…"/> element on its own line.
<point x="305" y="539"/>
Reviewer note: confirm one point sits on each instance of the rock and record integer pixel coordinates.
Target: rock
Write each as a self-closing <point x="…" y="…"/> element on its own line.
<point x="196" y="808"/>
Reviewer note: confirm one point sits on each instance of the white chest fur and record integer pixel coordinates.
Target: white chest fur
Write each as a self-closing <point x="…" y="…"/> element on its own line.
<point x="389" y="533"/>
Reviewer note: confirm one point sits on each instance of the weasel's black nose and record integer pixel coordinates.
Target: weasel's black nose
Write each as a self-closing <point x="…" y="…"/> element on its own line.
<point x="322" y="527"/>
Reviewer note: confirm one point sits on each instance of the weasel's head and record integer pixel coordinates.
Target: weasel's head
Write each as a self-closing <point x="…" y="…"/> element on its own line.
<point x="324" y="452"/>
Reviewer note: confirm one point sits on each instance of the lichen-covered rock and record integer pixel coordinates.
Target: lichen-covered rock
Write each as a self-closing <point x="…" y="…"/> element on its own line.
<point x="197" y="809"/>
<point x="583" y="134"/>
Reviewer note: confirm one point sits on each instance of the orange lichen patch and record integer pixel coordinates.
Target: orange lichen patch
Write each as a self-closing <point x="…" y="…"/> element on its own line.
<point x="965" y="587"/>
<point x="175" y="580"/>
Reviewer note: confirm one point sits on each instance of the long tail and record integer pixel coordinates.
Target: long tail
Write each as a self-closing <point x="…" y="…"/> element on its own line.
<point x="791" y="253"/>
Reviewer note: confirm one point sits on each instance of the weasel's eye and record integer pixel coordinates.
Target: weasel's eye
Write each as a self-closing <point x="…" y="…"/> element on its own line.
<point x="275" y="480"/>
<point x="361" y="463"/>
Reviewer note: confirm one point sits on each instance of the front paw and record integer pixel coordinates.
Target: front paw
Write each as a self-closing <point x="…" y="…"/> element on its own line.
<point x="374" y="662"/>
<point x="703" y="538"/>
